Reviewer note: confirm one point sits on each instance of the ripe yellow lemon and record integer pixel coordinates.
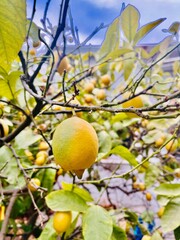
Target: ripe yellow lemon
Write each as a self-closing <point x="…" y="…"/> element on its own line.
<point x="177" y="172"/>
<point x="133" y="103"/>
<point x="105" y="80"/>
<point x="101" y="94"/>
<point x="142" y="186"/>
<point x="29" y="154"/>
<point x="36" y="44"/>
<point x="40" y="160"/>
<point x="172" y="145"/>
<point x="89" y="98"/>
<point x="43" y="146"/>
<point x="159" y="142"/>
<point x="64" y="64"/>
<point x="42" y="153"/>
<point x="34" y="184"/>
<point x="148" y="196"/>
<point x="4" y="128"/>
<point x="62" y="221"/>
<point x="160" y="212"/>
<point x="32" y="52"/>
<point x="88" y="87"/>
<point x="75" y="145"/>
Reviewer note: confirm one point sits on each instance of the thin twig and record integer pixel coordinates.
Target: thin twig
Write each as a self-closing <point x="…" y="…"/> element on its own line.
<point x="7" y="215"/>
<point x="134" y="168"/>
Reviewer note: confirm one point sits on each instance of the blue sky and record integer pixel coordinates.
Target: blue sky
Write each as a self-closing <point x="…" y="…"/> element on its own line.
<point x="88" y="14"/>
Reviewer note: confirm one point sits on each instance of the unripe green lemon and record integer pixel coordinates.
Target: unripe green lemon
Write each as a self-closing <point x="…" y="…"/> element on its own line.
<point x="75" y="145"/>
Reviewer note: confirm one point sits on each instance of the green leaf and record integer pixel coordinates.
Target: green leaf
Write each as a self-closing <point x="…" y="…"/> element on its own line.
<point x="118" y="233"/>
<point x="79" y="191"/>
<point x="62" y="200"/>
<point x="34" y="31"/>
<point x="105" y="142"/>
<point x="171" y="217"/>
<point x="156" y="236"/>
<point x="151" y="175"/>
<point x="111" y="41"/>
<point x="97" y="223"/>
<point x="130" y="22"/>
<point x="21" y="206"/>
<point x="26" y="138"/>
<point x="147" y="216"/>
<point x="174" y="28"/>
<point x="118" y="117"/>
<point x="11" y="171"/>
<point x="117" y="53"/>
<point x="131" y="216"/>
<point x="144" y="30"/>
<point x="9" y="85"/>
<point x="48" y="179"/>
<point x="168" y="189"/>
<point x="13" y="30"/>
<point x="129" y="65"/>
<point x="124" y="153"/>
<point x="177" y="233"/>
<point x="48" y="231"/>
<point x="73" y="225"/>
<point x="152" y="136"/>
<point x="154" y="50"/>
<point x="163" y="200"/>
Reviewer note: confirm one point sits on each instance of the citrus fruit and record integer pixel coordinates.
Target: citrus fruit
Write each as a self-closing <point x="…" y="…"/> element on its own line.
<point x="29" y="154"/>
<point x="32" y="52"/>
<point x="40" y="160"/>
<point x="148" y="196"/>
<point x="62" y="221"/>
<point x="105" y="80"/>
<point x="33" y="184"/>
<point x="101" y="94"/>
<point x="142" y="186"/>
<point x="75" y="145"/>
<point x="88" y="87"/>
<point x="159" y="142"/>
<point x="64" y="64"/>
<point x="73" y="101"/>
<point x="2" y="212"/>
<point x="36" y="44"/>
<point x="4" y="128"/>
<point x="135" y="185"/>
<point x="89" y="98"/>
<point x="60" y="172"/>
<point x="133" y="103"/>
<point x="43" y="146"/>
<point x="177" y="172"/>
<point x="42" y="153"/>
<point x="160" y="212"/>
<point x="172" y="145"/>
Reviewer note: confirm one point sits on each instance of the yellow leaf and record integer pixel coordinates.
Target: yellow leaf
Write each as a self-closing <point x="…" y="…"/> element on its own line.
<point x="130" y="22"/>
<point x="144" y="30"/>
<point x="129" y="64"/>
<point x="111" y="41"/>
<point x="12" y="30"/>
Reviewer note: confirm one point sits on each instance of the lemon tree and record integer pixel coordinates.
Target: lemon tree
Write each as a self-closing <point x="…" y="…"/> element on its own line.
<point x="85" y="137"/>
